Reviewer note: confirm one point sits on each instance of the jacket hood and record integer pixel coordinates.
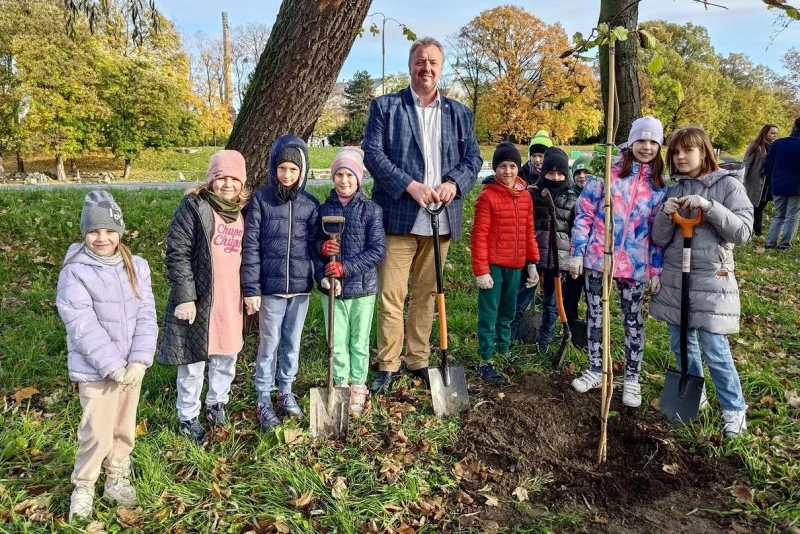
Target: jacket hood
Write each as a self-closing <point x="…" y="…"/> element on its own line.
<point x="519" y="185"/>
<point x="287" y="141"/>
<point x="708" y="179"/>
<point x="75" y="254"/>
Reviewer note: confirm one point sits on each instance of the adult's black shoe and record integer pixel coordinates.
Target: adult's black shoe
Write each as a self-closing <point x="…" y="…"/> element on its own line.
<point x="382" y="383"/>
<point x="422" y="374"/>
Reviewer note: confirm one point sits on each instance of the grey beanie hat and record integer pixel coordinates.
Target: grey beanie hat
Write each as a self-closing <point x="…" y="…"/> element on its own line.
<point x="100" y="211"/>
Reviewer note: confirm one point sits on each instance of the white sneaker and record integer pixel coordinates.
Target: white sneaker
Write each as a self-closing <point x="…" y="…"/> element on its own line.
<point x="734" y="423"/>
<point x="631" y="394"/>
<point x="589" y="380"/>
<point x="120" y="491"/>
<point x="80" y="503"/>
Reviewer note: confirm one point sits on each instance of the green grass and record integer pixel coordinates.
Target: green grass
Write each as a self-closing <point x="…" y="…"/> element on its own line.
<point x="184" y="488"/>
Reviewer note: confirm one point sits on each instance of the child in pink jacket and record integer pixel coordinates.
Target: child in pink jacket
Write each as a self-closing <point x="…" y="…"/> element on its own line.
<point x="638" y="190"/>
<point x="106" y="302"/>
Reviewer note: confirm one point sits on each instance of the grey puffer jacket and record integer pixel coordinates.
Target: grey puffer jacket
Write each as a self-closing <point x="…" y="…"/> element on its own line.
<point x="713" y="291"/>
<point x="107" y="326"/>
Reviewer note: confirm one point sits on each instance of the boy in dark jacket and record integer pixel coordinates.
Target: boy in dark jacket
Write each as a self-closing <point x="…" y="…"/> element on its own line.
<point x="552" y="239"/>
<point x="502" y="243"/>
<point x="280" y="231"/>
<point x="359" y="250"/>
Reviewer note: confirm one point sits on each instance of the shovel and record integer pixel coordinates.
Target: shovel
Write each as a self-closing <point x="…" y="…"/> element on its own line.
<point x="680" y="400"/>
<point x="562" y="314"/>
<point x="330" y="406"/>
<point x="531" y="321"/>
<point x="449" y="393"/>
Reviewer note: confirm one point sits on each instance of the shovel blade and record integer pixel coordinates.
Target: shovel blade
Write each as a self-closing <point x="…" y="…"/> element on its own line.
<point x="331" y="423"/>
<point x="680" y="402"/>
<point x="529" y="326"/>
<point x="451" y="399"/>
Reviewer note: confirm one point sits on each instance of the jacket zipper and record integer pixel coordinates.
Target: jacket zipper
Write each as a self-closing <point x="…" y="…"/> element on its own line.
<point x="289" y="246"/>
<point x="124" y="314"/>
<point x="516" y="218"/>
<point x="208" y="240"/>
<point x="628" y="211"/>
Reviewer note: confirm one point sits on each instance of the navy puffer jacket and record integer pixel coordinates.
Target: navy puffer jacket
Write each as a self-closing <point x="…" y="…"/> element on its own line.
<point x="362" y="244"/>
<point x="279" y="236"/>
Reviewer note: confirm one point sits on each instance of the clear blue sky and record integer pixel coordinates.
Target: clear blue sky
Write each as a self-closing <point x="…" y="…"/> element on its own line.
<point x="746" y="27"/>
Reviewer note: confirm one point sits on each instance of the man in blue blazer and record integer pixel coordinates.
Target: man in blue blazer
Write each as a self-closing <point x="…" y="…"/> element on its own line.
<point x="420" y="149"/>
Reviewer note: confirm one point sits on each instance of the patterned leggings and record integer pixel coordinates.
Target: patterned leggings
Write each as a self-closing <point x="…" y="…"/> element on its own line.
<point x="632" y="302"/>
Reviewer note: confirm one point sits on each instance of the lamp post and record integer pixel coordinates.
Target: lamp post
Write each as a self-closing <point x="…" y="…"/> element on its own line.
<point x="374" y="30"/>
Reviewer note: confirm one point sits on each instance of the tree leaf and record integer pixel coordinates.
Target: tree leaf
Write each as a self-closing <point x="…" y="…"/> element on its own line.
<point x="338" y="488"/>
<point x="491" y="500"/>
<point x="646" y="39"/>
<point x="656" y="64"/>
<point x="742" y="493"/>
<point x="520" y="493"/>
<point x="793" y="399"/>
<point x="620" y="33"/>
<point x="25" y="393"/>
<point x="303" y="501"/>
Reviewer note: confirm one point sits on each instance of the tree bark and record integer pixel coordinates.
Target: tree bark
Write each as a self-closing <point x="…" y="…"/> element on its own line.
<point x="61" y="176"/>
<point x="20" y="162"/>
<point x="294" y="76"/>
<point x="127" y="172"/>
<point x="73" y="165"/>
<point x="622" y="13"/>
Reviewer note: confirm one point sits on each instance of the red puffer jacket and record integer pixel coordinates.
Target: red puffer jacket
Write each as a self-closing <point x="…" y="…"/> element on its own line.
<point x="502" y="233"/>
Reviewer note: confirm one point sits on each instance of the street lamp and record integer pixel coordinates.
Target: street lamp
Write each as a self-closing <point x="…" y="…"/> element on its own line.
<point x="411" y="36"/>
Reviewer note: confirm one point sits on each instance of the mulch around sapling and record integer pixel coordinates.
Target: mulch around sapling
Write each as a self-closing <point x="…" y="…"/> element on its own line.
<point x="540" y="429"/>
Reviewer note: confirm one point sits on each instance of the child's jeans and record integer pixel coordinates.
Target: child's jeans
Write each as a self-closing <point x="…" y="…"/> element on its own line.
<point x="549" y="307"/>
<point x="107" y="429"/>
<point x="496" y="309"/>
<point x="352" y="322"/>
<point x="280" y="323"/>
<point x="631" y="296"/>
<point x="221" y="371"/>
<point x="717" y="354"/>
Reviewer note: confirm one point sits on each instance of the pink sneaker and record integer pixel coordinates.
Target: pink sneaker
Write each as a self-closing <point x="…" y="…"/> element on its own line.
<point x="359" y="395"/>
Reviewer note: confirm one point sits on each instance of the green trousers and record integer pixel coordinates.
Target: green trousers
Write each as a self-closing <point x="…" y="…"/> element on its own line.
<point x="352" y="322"/>
<point x="496" y="308"/>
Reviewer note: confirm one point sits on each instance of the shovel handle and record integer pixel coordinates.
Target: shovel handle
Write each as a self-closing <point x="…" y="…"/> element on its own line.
<point x="442" y="321"/>
<point x="687" y="225"/>
<point x="562" y="314"/>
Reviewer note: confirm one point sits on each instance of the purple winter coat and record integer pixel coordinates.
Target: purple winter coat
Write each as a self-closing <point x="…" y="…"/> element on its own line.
<point x="107" y="326"/>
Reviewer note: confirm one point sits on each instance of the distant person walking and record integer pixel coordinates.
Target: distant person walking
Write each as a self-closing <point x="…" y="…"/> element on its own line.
<point x="782" y="168"/>
<point x="758" y="187"/>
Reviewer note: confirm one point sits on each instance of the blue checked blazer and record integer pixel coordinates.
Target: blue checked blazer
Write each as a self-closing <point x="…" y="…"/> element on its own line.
<point x="393" y="156"/>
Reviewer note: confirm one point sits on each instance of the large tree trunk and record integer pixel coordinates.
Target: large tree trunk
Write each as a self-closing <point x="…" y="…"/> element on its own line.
<point x="61" y="176"/>
<point x="127" y="172"/>
<point x="295" y="74"/>
<point x="622" y="13"/>
<point x="20" y="162"/>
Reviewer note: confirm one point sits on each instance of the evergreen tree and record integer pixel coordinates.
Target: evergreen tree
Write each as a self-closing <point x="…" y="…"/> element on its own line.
<point x="358" y="94"/>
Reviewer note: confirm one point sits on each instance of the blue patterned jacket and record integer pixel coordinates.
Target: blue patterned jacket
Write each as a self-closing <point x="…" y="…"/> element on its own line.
<point x="393" y="155"/>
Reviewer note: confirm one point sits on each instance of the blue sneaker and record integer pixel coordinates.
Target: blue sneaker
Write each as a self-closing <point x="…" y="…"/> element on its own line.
<point x="267" y="417"/>
<point x="287" y="403"/>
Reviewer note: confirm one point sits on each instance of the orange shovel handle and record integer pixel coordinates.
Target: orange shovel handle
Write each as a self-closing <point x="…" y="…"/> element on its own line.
<point x="687" y="225"/>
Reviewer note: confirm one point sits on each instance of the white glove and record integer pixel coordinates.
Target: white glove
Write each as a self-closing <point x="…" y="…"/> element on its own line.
<point x="576" y="266"/>
<point x="484" y="281"/>
<point x="671" y="205"/>
<point x="696" y="201"/>
<point x="655" y="284"/>
<point x="533" y="276"/>
<point x="118" y="376"/>
<point x="186" y="311"/>
<point x="134" y="373"/>
<point x="337" y="286"/>
<point x="252" y="304"/>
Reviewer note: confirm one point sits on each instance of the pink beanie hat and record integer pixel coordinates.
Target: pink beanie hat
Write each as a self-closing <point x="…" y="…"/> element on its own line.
<point x="352" y="159"/>
<point x="227" y="163"/>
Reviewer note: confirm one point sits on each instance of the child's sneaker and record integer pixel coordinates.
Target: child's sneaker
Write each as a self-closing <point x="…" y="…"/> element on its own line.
<point x="734" y="423"/>
<point x="216" y="415"/>
<point x="589" y="380"/>
<point x="490" y="374"/>
<point x="359" y="395"/>
<point x="80" y="503"/>
<point x="631" y="394"/>
<point x="267" y="417"/>
<point x="192" y="430"/>
<point x="287" y="402"/>
<point x="118" y="484"/>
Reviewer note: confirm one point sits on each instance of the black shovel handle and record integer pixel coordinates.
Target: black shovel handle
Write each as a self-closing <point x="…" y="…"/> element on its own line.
<point x="437" y="261"/>
<point x="687" y="228"/>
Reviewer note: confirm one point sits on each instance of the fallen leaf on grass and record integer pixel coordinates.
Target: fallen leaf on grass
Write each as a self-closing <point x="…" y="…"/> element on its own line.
<point x="141" y="428"/>
<point x="520" y="493"/>
<point x="655" y="404"/>
<point x="292" y="436"/>
<point x="672" y="469"/>
<point x="95" y="527"/>
<point x="161" y="515"/>
<point x="338" y="488"/>
<point x="742" y="493"/>
<point x="303" y="501"/>
<point x="25" y="393"/>
<point x="392" y="509"/>
<point x="491" y="500"/>
<point x="736" y="528"/>
<point x="603" y="520"/>
<point x="793" y="399"/>
<point x="405" y="528"/>
<point x="218" y="492"/>
<point x="464" y="498"/>
<point x="130" y="518"/>
<point x="491" y="527"/>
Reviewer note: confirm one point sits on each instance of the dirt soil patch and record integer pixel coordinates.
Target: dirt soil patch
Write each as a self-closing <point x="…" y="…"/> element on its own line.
<point x="542" y="430"/>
